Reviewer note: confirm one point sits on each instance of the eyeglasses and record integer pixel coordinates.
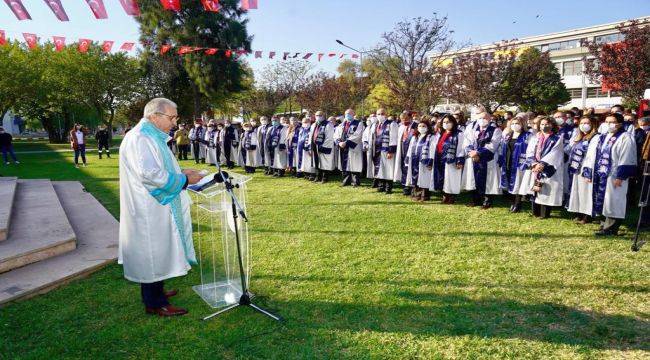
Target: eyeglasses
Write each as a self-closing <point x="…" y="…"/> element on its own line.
<point x="172" y="117"/>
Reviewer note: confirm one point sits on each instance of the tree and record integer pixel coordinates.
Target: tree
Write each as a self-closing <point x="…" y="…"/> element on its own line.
<point x="326" y="92"/>
<point x="13" y="65"/>
<point x="535" y="83"/>
<point x="477" y="77"/>
<point x="262" y="101"/>
<point x="210" y="79"/>
<point x="285" y="77"/>
<point x="351" y="73"/>
<point x="623" y="66"/>
<point x="410" y="60"/>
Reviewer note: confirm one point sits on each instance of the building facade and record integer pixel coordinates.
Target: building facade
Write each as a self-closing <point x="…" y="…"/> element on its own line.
<point x="567" y="52"/>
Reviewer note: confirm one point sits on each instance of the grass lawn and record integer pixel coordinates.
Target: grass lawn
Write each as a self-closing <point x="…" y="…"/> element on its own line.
<point x="358" y="274"/>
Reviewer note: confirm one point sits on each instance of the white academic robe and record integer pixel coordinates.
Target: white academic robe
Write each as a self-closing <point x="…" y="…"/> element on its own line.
<point x="203" y="147"/>
<point x="304" y="147"/>
<point x="280" y="156"/>
<point x="519" y="177"/>
<point x="623" y="153"/>
<point x="527" y="178"/>
<point x="211" y="150"/>
<point x="326" y="159"/>
<point x="425" y="165"/>
<point x="267" y="150"/>
<point x="250" y="150"/>
<point x="262" y="151"/>
<point x="453" y="176"/>
<point x="467" y="180"/>
<point x="493" y="177"/>
<point x="552" y="192"/>
<point x="401" y="151"/>
<point x="368" y="138"/>
<point x="353" y="145"/>
<point x="386" y="169"/>
<point x="150" y="247"/>
<point x="581" y="199"/>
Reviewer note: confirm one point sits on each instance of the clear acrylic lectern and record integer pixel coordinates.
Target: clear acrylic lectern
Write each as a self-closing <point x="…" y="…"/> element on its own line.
<point x="215" y="236"/>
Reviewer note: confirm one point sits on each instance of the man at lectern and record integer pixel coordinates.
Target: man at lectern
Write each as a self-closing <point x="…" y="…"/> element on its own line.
<point x="155" y="225"/>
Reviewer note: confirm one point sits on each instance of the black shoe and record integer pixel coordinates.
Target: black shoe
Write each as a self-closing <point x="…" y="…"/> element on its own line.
<point x="380" y="189"/>
<point x="407" y="191"/>
<point x="608" y="232"/>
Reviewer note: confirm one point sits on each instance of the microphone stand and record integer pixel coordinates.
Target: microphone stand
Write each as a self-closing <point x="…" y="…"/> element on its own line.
<point x="238" y="210"/>
<point x="644" y="200"/>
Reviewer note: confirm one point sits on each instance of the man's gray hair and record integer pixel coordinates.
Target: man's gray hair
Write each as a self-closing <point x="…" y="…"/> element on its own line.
<point x="158" y="105"/>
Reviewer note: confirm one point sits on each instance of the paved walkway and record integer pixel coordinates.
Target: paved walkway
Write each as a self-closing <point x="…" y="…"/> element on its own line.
<point x="57" y="150"/>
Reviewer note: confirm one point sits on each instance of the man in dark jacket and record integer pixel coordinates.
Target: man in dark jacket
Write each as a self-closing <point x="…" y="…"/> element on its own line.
<point x="103" y="137"/>
<point x="7" y="147"/>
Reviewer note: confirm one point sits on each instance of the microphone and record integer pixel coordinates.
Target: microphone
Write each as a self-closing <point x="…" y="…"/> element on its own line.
<point x="216" y="179"/>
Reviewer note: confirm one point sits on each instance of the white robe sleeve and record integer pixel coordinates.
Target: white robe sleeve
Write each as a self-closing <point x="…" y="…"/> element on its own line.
<point x="394" y="138"/>
<point x="164" y="185"/>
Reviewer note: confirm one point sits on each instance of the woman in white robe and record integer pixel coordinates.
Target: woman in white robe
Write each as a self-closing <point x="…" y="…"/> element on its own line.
<point x="406" y="131"/>
<point x="548" y="169"/>
<point x="419" y="160"/>
<point x="211" y="148"/>
<point x="512" y="158"/>
<point x="367" y="139"/>
<point x="383" y="148"/>
<point x="261" y="141"/>
<point x="305" y="166"/>
<point x="615" y="163"/>
<point x="582" y="155"/>
<point x="278" y="149"/>
<point x="483" y="148"/>
<point x="449" y="160"/>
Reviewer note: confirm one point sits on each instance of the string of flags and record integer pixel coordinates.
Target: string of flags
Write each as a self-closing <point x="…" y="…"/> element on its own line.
<point x="32" y="41"/>
<point x="130" y="7"/>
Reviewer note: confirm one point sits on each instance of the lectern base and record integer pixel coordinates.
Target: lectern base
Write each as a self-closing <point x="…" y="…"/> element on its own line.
<point x="245" y="300"/>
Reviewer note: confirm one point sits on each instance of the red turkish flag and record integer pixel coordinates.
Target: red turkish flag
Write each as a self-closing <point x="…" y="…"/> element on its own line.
<point x="248" y="4"/>
<point x="228" y="53"/>
<point x="355" y="56"/>
<point x="57" y="9"/>
<point x="127" y="46"/>
<point x="98" y="9"/>
<point x="211" y="51"/>
<point x="320" y="56"/>
<point x="164" y="49"/>
<point x="131" y="7"/>
<point x="331" y="54"/>
<point x="284" y="56"/>
<point x="18" y="9"/>
<point x="271" y="54"/>
<point x="241" y="52"/>
<point x="31" y="40"/>
<point x="171" y="4"/>
<point x="185" y="49"/>
<point x="3" y="39"/>
<point x="59" y="43"/>
<point x="84" y="44"/>
<point x="107" y="46"/>
<point x="211" y="5"/>
<point x="258" y="54"/>
<point x="307" y="56"/>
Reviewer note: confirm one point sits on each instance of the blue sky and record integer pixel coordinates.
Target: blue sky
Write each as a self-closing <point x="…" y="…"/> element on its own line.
<point x="313" y="25"/>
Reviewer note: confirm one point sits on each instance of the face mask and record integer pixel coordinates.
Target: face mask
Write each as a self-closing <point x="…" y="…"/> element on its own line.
<point x="611" y="128"/>
<point x="247" y="128"/>
<point x="197" y="125"/>
<point x="219" y="128"/>
<point x="265" y="122"/>
<point x="253" y="123"/>
<point x="275" y="123"/>
<point x="645" y="127"/>
<point x="515" y="127"/>
<point x="447" y="126"/>
<point x="559" y="121"/>
<point x="585" y="128"/>
<point x="483" y="122"/>
<point x="320" y="119"/>
<point x="306" y="126"/>
<point x="181" y="128"/>
<point x="349" y="117"/>
<point x="78" y="127"/>
<point x="423" y="130"/>
<point x="546" y="129"/>
<point x="226" y="124"/>
<point x="381" y="118"/>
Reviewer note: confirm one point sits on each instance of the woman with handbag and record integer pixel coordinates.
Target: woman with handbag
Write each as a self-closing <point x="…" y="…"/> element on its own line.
<point x="547" y="166"/>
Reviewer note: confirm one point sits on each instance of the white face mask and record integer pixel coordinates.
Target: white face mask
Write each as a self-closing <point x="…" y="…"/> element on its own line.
<point x="559" y="121"/>
<point x="306" y="126"/>
<point x="483" y="122"/>
<point x="585" y="128"/>
<point x="265" y="122"/>
<point x="253" y="123"/>
<point x="447" y="126"/>
<point x="645" y="127"/>
<point x="611" y="127"/>
<point x="381" y="118"/>
<point x="247" y="129"/>
<point x="515" y="127"/>
<point x="422" y="130"/>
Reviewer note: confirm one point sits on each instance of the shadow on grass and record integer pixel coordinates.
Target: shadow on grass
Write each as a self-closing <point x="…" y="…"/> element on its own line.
<point x="444" y="314"/>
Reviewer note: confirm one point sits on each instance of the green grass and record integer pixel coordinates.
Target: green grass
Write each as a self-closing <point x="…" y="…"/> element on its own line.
<point x="359" y="275"/>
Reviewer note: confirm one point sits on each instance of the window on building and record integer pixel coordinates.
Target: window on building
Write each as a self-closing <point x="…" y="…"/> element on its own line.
<point x="558" y="66"/>
<point x="609" y="38"/>
<point x="572" y="68"/>
<point x="596" y="93"/>
<point x="575" y="93"/>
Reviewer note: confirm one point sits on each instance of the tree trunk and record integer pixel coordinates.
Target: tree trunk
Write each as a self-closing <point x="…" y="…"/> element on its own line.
<point x="197" y="101"/>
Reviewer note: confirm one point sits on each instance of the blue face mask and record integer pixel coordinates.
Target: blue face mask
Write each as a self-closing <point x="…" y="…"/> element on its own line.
<point x="349" y="117"/>
<point x="275" y="123"/>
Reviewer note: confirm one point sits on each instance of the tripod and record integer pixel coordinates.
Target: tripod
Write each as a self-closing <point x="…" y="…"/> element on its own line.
<point x="237" y="210"/>
<point x="644" y="199"/>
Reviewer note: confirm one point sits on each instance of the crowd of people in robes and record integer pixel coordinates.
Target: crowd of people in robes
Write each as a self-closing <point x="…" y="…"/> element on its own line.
<point x="576" y="160"/>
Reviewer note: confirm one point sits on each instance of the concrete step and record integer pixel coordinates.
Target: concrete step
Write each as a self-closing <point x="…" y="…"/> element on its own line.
<point x="7" y="193"/>
<point x="97" y="238"/>
<point x="39" y="227"/>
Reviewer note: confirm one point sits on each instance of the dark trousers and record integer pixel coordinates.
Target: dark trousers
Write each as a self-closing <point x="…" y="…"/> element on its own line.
<point x="480" y="199"/>
<point x="8" y="150"/>
<point x="196" y="148"/>
<point x="101" y="147"/>
<point x="541" y="211"/>
<point x="80" y="150"/>
<point x="182" y="151"/>
<point x="351" y="178"/>
<point x="153" y="295"/>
